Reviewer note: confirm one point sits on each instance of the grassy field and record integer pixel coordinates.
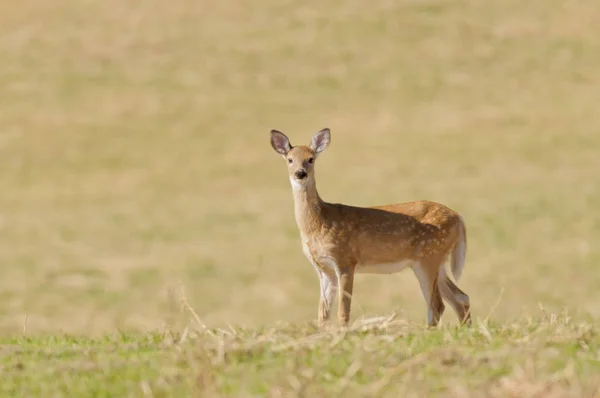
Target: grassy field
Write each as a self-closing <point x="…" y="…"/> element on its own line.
<point x="136" y="174"/>
<point x="555" y="357"/>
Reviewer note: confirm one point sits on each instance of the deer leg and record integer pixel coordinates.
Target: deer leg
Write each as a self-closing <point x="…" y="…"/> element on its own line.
<point x="458" y="299"/>
<point x="428" y="280"/>
<point x="346" y="284"/>
<point x="328" y="281"/>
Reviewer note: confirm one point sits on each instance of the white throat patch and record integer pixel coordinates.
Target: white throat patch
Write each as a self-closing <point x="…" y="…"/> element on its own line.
<point x="296" y="186"/>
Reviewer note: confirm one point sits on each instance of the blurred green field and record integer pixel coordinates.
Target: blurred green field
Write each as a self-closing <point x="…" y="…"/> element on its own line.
<point x="136" y="170"/>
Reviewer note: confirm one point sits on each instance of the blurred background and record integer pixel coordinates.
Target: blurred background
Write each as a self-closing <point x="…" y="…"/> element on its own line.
<point x="136" y="171"/>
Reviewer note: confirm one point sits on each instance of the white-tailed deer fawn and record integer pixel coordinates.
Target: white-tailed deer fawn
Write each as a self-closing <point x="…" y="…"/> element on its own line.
<point x="341" y="240"/>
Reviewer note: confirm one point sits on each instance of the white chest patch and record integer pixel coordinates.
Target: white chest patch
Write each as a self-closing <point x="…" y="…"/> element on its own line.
<point x="322" y="261"/>
<point x="385" y="268"/>
<point x="307" y="253"/>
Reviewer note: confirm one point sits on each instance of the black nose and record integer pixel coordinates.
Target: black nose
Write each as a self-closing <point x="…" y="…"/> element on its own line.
<point x="300" y="174"/>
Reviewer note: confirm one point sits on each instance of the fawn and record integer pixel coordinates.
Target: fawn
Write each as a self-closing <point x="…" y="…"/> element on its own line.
<point x="340" y="240"/>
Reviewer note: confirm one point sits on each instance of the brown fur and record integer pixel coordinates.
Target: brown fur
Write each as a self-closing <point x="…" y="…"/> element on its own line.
<point x="341" y="240"/>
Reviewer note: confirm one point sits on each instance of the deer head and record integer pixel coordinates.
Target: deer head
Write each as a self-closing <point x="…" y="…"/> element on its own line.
<point x="300" y="159"/>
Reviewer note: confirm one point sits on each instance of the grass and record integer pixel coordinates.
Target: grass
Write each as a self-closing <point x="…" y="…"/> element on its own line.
<point x="134" y="161"/>
<point x="385" y="357"/>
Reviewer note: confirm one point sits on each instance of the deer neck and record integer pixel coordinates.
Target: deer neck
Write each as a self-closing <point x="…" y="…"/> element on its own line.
<point x="308" y="207"/>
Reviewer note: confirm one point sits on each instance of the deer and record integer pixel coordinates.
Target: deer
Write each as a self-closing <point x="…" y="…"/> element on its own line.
<point x="341" y="240"/>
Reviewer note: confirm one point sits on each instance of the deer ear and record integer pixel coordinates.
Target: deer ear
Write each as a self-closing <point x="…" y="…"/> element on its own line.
<point x="321" y="141"/>
<point x="280" y="142"/>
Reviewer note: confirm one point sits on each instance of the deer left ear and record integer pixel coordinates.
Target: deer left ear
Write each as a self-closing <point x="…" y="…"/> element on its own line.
<point x="320" y="141"/>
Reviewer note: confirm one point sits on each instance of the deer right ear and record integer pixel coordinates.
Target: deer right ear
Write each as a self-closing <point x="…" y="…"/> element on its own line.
<point x="320" y="141"/>
<point x="280" y="142"/>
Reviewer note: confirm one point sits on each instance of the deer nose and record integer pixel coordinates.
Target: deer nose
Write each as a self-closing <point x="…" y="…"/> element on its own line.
<point x="300" y="174"/>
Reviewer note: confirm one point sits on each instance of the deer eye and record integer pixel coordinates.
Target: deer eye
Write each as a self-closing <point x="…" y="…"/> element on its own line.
<point x="311" y="160"/>
<point x="290" y="160"/>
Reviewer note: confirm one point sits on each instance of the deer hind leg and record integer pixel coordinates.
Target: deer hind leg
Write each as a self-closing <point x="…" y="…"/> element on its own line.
<point x="458" y="299"/>
<point x="329" y="283"/>
<point x="427" y="274"/>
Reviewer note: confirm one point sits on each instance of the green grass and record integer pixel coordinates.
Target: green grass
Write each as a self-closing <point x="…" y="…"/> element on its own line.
<point x="552" y="357"/>
<point x="135" y="164"/>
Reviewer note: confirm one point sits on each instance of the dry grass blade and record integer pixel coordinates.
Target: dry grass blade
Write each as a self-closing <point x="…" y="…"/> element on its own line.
<point x="345" y="381"/>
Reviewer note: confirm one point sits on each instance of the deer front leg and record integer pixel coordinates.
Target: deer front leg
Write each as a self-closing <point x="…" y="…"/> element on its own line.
<point x="328" y="282"/>
<point x="346" y="284"/>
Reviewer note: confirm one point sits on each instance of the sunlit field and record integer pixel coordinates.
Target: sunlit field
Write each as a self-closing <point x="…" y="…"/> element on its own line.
<point x="140" y="194"/>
